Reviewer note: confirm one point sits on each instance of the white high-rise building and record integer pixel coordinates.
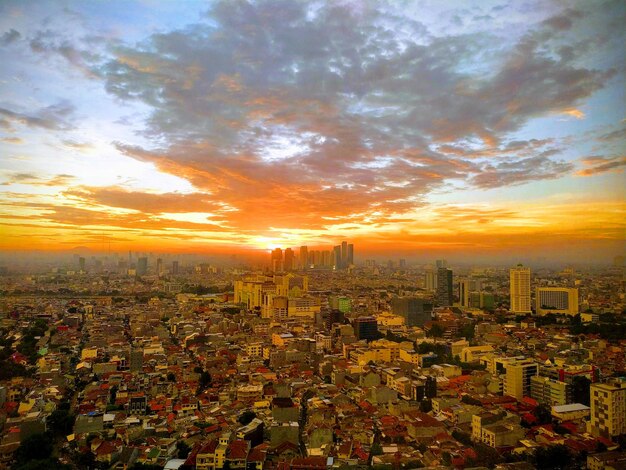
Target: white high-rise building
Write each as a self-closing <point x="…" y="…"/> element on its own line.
<point x="520" y="289"/>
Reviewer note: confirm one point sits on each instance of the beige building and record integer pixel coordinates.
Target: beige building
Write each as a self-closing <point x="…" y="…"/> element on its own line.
<point x="520" y="289"/>
<point x="608" y="408"/>
<point x="548" y="391"/>
<point x="559" y="300"/>
<point x="519" y="374"/>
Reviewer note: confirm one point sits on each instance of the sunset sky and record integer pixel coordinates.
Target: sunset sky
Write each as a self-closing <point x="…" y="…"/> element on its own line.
<point x="456" y="128"/>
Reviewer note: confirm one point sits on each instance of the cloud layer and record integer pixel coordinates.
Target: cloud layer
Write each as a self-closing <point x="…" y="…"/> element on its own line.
<point x="326" y="117"/>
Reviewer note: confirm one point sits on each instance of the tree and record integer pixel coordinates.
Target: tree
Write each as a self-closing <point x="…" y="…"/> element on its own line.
<point x="246" y="417"/>
<point x="35" y="447"/>
<point x="553" y="457"/>
<point x="183" y="449"/>
<point x="61" y="422"/>
<point x="171" y="377"/>
<point x="205" y="379"/>
<point x="436" y="331"/>
<point x="543" y="414"/>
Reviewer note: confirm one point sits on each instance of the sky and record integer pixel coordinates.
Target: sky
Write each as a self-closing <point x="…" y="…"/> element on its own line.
<point x="436" y="128"/>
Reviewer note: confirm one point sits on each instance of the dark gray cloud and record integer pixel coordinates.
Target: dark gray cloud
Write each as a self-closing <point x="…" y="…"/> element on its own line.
<point x="598" y="164"/>
<point x="54" y="117"/>
<point x="275" y="103"/>
<point x="511" y="173"/>
<point x="9" y="37"/>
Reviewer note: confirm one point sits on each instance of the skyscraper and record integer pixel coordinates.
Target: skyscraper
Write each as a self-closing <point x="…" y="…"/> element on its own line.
<point x="174" y="267"/>
<point x="142" y="266"/>
<point x="337" y="257"/>
<point x="344" y="255"/>
<point x="464" y="291"/>
<point x="276" y="259"/>
<point x="415" y="311"/>
<point x="350" y="258"/>
<point x="444" y="287"/>
<point x="520" y="289"/>
<point x="159" y="267"/>
<point x="81" y="264"/>
<point x="430" y="280"/>
<point x="288" y="263"/>
<point x="304" y="257"/>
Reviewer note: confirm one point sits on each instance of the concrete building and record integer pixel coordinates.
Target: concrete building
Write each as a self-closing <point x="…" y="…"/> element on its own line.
<point x="415" y="311"/>
<point x="559" y="300"/>
<point x="608" y="408"/>
<point x="518" y="376"/>
<point x="520" y="289"/>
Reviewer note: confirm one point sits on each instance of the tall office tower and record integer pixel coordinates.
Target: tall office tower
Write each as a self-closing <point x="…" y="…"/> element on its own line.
<point x="174" y="267"/>
<point x="344" y="255"/>
<point x="444" y="287"/>
<point x="556" y="300"/>
<point x="402" y="263"/>
<point x="334" y="316"/>
<point x="441" y="263"/>
<point x="304" y="257"/>
<point x="350" y="259"/>
<point x="337" y="257"/>
<point x="81" y="264"/>
<point x="608" y="408"/>
<point x="430" y="281"/>
<point x="142" y="266"/>
<point x="276" y="259"/>
<point x="365" y="328"/>
<point x="159" y="267"/>
<point x="520" y="289"/>
<point x="415" y="311"/>
<point x="327" y="259"/>
<point x="464" y="291"/>
<point x="288" y="263"/>
<point x="519" y="374"/>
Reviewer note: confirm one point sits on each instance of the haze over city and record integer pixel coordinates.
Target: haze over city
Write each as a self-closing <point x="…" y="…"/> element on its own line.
<point x="471" y="130"/>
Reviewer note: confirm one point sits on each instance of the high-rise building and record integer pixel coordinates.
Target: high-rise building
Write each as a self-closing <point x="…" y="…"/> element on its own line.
<point x="563" y="300"/>
<point x="430" y="281"/>
<point x="81" y="264"/>
<point x="520" y="289"/>
<point x="519" y="374"/>
<point x="276" y="260"/>
<point x="343" y="304"/>
<point x="350" y="257"/>
<point x="174" y="267"/>
<point x="444" y="287"/>
<point x="142" y="266"/>
<point x="441" y="263"/>
<point x="288" y="263"/>
<point x="159" y="267"/>
<point x="304" y="257"/>
<point x="415" y="311"/>
<point x="337" y="257"/>
<point x="334" y="316"/>
<point x="608" y="408"/>
<point x="365" y="328"/>
<point x="549" y="391"/>
<point x="402" y="263"/>
<point x="464" y="292"/>
<point x="344" y="255"/>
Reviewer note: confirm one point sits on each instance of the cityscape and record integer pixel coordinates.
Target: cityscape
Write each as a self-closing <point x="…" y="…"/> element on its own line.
<point x="312" y="235"/>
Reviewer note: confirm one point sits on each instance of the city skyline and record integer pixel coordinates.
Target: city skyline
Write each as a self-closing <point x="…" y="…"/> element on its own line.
<point x="427" y="130"/>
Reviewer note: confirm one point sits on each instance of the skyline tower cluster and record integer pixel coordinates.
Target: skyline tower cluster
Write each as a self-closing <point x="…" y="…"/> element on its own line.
<point x="341" y="257"/>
